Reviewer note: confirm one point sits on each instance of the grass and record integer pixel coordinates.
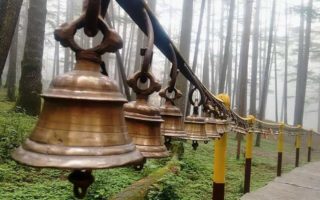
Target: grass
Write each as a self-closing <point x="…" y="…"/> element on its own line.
<point x="194" y="182"/>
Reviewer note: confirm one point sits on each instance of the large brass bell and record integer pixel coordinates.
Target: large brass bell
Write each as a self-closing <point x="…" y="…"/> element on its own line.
<point x="82" y="125"/>
<point x="173" y="126"/>
<point x="195" y="124"/>
<point x="144" y="120"/>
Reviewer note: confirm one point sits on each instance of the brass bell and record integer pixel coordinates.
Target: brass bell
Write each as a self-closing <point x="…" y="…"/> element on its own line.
<point x="82" y="125"/>
<point x="212" y="128"/>
<point x="144" y="120"/>
<point x="144" y="123"/>
<point x="238" y="129"/>
<point x="173" y="126"/>
<point x="195" y="125"/>
<point x="222" y="126"/>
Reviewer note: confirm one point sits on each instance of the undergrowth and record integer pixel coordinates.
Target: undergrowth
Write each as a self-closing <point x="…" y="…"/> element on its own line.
<point x="193" y="182"/>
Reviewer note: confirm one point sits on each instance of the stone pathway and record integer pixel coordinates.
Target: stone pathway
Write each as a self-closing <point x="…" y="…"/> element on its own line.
<point x="302" y="183"/>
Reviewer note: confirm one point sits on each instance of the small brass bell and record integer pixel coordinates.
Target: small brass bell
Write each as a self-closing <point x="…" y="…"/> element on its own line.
<point x="211" y="128"/>
<point x="195" y="125"/>
<point x="82" y="125"/>
<point x="144" y="127"/>
<point x="144" y="120"/>
<point x="222" y="126"/>
<point x="173" y="126"/>
<point x="238" y="129"/>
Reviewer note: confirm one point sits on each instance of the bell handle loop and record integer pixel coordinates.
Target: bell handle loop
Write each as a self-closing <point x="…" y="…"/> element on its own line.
<point x="65" y="35"/>
<point x="154" y="85"/>
<point x="192" y="102"/>
<point x="149" y="50"/>
<point x="174" y="69"/>
<point x="164" y="93"/>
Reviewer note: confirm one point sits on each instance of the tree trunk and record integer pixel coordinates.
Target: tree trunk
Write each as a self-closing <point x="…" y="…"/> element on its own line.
<point x="229" y="73"/>
<point x="212" y="54"/>
<point x="254" y="68"/>
<point x="30" y="86"/>
<point x="243" y="68"/>
<point x="319" y="110"/>
<point x="184" y="47"/>
<point x="9" y="15"/>
<point x="221" y="37"/>
<point x="285" y="84"/>
<point x="243" y="65"/>
<point x="264" y="92"/>
<point x="205" y="74"/>
<point x="275" y="78"/>
<point x="223" y="69"/>
<point x="11" y="76"/>
<point x="302" y="73"/>
<point x="235" y="80"/>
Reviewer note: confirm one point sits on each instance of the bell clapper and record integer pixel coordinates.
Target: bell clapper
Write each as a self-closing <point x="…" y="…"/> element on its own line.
<point x="195" y="145"/>
<point x="81" y="180"/>
<point x="168" y="142"/>
<point x="139" y="166"/>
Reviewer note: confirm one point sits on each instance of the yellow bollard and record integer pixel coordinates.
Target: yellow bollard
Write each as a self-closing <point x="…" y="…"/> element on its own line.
<point x="309" y="145"/>
<point x="220" y="154"/>
<point x="298" y="145"/>
<point x="249" y="149"/>
<point x="280" y="149"/>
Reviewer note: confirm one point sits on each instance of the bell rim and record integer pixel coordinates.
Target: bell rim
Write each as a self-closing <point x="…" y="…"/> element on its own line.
<point x="137" y="116"/>
<point x="39" y="160"/>
<point x="46" y="96"/>
<point x="197" y="138"/>
<point x="53" y="149"/>
<point x="174" y="134"/>
<point x="158" y="151"/>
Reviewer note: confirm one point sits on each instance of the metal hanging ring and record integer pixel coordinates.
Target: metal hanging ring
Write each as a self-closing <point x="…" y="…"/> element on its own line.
<point x="149" y="50"/>
<point x="174" y="70"/>
<point x="154" y="85"/>
<point x="164" y="93"/>
<point x="202" y="98"/>
<point x="111" y="40"/>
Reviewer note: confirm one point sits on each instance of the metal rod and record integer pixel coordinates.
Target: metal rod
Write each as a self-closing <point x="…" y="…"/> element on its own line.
<point x="92" y="10"/>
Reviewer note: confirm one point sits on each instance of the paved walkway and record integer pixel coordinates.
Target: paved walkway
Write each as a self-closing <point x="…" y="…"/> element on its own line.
<point x="302" y="183"/>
